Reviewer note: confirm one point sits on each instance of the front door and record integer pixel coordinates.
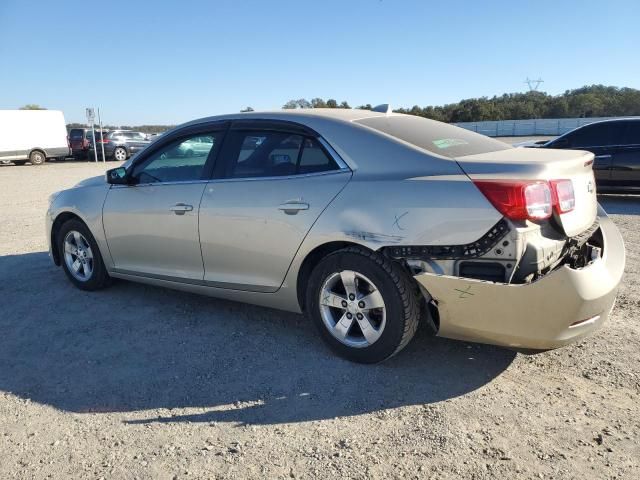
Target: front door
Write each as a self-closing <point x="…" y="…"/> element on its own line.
<point x="253" y="221"/>
<point x="152" y="225"/>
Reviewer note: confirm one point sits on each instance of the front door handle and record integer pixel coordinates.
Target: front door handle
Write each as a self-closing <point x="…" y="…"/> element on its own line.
<point x="180" y="208"/>
<point x="291" y="208"/>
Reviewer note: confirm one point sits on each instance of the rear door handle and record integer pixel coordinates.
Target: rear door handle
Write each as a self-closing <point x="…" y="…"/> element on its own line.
<point x="181" y="208"/>
<point x="291" y="208"/>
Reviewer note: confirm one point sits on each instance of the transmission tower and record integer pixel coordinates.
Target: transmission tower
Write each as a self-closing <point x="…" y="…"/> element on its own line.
<point x="533" y="84"/>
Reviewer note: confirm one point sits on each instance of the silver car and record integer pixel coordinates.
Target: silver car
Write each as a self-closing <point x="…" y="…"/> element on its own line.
<point x="371" y="223"/>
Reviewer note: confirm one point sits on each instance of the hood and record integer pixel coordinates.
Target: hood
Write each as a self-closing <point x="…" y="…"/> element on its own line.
<point x="91" y="182"/>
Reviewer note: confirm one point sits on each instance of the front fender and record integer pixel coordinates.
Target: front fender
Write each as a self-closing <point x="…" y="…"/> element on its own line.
<point x="85" y="203"/>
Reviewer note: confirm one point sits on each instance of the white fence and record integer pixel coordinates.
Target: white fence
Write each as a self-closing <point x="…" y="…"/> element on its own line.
<point x="525" y="128"/>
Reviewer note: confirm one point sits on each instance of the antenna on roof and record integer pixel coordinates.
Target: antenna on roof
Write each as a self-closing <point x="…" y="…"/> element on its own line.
<point x="382" y="108"/>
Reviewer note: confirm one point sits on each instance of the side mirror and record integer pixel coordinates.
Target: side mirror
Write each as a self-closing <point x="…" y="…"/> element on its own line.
<point x="117" y="176"/>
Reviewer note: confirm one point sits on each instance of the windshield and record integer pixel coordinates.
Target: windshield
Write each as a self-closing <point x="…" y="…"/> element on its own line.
<point x="436" y="137"/>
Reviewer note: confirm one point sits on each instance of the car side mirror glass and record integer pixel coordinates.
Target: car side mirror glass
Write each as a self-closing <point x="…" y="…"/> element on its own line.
<point x="117" y="176"/>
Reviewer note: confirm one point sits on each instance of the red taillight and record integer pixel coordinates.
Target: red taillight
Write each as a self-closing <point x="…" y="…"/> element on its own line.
<point x="519" y="200"/>
<point x="564" y="198"/>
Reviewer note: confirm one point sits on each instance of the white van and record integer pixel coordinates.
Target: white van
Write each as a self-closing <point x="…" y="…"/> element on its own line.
<point x="32" y="135"/>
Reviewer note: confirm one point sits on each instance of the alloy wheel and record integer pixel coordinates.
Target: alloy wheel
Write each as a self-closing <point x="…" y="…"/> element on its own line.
<point x="352" y="309"/>
<point x="120" y="154"/>
<point x="78" y="256"/>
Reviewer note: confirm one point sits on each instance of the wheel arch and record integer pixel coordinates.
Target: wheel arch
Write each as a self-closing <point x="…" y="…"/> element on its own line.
<point x="38" y="149"/>
<point x="60" y="220"/>
<point x="312" y="259"/>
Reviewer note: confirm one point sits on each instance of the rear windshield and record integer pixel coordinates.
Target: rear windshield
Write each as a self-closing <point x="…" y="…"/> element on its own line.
<point x="436" y="137"/>
<point x="75" y="133"/>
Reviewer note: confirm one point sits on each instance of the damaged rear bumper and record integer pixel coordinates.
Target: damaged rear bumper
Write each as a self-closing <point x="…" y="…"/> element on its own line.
<point x="559" y="308"/>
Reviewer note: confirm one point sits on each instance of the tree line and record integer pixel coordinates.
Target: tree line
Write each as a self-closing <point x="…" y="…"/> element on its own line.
<point x="588" y="101"/>
<point x="137" y="128"/>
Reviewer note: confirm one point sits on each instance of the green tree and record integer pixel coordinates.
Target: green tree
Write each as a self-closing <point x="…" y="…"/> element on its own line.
<point x="318" y="103"/>
<point x="247" y="109"/>
<point x="32" y="106"/>
<point x="300" y="103"/>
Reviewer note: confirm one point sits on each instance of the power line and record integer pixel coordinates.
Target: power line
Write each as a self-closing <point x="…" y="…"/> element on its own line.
<point x="533" y="84"/>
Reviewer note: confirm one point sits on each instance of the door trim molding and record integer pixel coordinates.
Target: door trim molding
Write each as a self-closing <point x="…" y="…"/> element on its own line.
<point x="201" y="283"/>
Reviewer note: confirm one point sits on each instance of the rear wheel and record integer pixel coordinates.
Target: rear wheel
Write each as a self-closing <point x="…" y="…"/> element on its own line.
<point x="120" y="154"/>
<point x="81" y="258"/>
<point x="37" y="157"/>
<point x="365" y="307"/>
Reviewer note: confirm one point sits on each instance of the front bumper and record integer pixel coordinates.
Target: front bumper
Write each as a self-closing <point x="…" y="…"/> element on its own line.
<point x="560" y="308"/>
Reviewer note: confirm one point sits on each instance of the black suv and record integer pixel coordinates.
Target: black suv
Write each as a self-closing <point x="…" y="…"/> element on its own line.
<point x="616" y="146"/>
<point x="120" y="144"/>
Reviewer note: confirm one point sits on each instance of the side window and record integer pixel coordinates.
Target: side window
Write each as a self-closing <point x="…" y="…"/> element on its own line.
<point x="274" y="154"/>
<point x="137" y="136"/>
<point x="314" y="159"/>
<point x="596" y="135"/>
<point x="264" y="154"/>
<point x="178" y="161"/>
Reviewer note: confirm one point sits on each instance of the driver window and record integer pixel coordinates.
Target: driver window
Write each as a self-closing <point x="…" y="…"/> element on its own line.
<point x="179" y="161"/>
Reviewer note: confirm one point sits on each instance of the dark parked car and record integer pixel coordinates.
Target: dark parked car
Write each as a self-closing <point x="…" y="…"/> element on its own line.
<point x="120" y="145"/>
<point x="616" y="146"/>
<point x="79" y="142"/>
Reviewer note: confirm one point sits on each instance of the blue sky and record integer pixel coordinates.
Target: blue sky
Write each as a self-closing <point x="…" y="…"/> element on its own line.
<point x="169" y="62"/>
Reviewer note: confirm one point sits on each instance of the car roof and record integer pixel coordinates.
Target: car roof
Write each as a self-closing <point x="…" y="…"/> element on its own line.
<point x="301" y="115"/>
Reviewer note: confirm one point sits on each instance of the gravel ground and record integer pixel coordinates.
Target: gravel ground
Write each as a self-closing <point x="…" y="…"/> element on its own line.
<point x="141" y="382"/>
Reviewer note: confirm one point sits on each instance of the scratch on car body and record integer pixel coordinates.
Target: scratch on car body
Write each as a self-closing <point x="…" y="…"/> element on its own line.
<point x="375" y="237"/>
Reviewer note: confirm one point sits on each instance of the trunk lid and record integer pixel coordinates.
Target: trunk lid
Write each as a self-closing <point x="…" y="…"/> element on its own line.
<point x="543" y="164"/>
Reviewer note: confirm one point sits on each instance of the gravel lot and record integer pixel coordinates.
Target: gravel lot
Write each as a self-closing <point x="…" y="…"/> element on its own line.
<point x="136" y="381"/>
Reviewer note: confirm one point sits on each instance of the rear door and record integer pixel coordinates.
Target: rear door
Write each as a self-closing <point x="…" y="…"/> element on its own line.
<point x="275" y="184"/>
<point x="625" y="168"/>
<point x="76" y="139"/>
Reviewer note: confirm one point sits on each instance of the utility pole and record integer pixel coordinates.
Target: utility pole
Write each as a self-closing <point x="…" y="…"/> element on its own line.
<point x="533" y="84"/>
<point x="101" y="137"/>
<point x="91" y="120"/>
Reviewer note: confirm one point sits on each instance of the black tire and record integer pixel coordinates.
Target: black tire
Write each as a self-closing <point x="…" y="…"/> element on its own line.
<point x="99" y="277"/>
<point x="37" y="158"/>
<point x="400" y="293"/>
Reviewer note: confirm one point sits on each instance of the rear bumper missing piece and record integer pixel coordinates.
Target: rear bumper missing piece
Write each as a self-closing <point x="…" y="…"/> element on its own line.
<point x="559" y="308"/>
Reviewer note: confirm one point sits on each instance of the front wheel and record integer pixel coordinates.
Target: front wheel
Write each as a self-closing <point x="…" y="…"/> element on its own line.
<point x="81" y="258"/>
<point x="365" y="307"/>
